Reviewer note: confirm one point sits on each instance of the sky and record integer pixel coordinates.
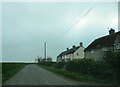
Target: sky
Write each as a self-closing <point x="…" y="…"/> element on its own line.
<point x="27" y="25"/>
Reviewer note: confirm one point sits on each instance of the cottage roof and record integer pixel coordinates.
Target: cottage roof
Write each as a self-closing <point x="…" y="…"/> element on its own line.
<point x="106" y="41"/>
<point x="62" y="53"/>
<point x="69" y="51"/>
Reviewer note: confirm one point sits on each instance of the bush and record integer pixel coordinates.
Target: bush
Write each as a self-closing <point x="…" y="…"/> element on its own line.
<point x="85" y="64"/>
<point x="114" y="60"/>
<point x="79" y="65"/>
<point x="46" y="63"/>
<point x="60" y="64"/>
<point x="100" y="69"/>
<point x="72" y="65"/>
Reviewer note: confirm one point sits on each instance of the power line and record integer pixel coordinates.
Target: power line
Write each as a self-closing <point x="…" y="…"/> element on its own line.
<point x="76" y="22"/>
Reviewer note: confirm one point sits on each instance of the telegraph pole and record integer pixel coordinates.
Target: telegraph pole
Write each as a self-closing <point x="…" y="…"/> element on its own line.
<point x="45" y="51"/>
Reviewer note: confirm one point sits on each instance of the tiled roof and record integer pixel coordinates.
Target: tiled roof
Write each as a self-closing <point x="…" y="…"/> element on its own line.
<point x="70" y="51"/>
<point x="106" y="41"/>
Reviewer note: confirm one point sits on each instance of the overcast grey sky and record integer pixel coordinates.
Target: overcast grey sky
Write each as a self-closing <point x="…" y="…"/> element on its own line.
<point x="27" y="25"/>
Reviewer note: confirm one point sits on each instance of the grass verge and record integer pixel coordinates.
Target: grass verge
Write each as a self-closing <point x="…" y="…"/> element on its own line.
<point x="10" y="69"/>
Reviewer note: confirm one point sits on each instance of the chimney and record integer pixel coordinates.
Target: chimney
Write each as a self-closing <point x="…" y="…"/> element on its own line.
<point x="81" y="44"/>
<point x="74" y="47"/>
<point x="111" y="31"/>
<point x="67" y="49"/>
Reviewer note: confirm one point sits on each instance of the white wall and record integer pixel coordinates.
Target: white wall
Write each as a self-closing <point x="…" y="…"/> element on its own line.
<point x="80" y="53"/>
<point x="74" y="55"/>
<point x="70" y="56"/>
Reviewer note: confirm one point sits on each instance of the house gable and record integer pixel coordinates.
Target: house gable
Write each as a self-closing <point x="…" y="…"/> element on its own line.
<point x="79" y="53"/>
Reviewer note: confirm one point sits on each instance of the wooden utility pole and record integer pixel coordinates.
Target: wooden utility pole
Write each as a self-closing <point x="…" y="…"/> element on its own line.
<point x="45" y="51"/>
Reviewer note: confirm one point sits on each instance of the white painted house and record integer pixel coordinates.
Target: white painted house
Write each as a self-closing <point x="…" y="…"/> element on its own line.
<point x="76" y="52"/>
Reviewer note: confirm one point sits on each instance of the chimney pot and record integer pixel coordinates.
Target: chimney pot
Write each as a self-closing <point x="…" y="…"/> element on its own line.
<point x="67" y="49"/>
<point x="73" y="46"/>
<point x="111" y="31"/>
<point x="81" y="44"/>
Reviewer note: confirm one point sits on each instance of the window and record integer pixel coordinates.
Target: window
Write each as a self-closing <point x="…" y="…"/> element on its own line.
<point x="104" y="49"/>
<point x="63" y="58"/>
<point x="77" y="54"/>
<point x="98" y="46"/>
<point x="118" y="46"/>
<point x="92" y="51"/>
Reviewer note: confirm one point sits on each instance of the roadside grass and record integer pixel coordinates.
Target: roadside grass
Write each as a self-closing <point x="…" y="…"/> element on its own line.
<point x="75" y="76"/>
<point x="10" y="69"/>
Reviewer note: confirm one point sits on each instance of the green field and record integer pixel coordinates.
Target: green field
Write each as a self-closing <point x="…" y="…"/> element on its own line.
<point x="10" y="69"/>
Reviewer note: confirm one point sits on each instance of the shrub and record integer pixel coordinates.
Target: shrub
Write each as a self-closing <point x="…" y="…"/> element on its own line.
<point x="85" y="64"/>
<point x="46" y="63"/>
<point x="79" y="65"/>
<point x="60" y="64"/>
<point x="114" y="60"/>
<point x="72" y="65"/>
<point x="100" y="69"/>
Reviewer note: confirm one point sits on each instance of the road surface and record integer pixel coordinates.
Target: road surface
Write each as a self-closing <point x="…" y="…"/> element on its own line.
<point x="35" y="75"/>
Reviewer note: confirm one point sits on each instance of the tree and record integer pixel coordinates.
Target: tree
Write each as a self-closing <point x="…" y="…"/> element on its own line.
<point x="49" y="59"/>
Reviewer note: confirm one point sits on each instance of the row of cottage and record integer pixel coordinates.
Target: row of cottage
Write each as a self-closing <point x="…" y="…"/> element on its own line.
<point x="95" y="50"/>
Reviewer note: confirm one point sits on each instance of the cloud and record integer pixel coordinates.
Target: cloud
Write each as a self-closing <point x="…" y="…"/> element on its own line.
<point x="26" y="26"/>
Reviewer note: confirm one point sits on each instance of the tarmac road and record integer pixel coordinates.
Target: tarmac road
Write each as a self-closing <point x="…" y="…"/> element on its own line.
<point x="35" y="75"/>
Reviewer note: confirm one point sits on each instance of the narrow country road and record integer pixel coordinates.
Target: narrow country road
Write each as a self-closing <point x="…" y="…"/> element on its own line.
<point x="35" y="75"/>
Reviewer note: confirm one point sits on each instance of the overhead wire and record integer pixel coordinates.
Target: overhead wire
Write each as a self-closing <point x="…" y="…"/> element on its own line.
<point x="75" y="22"/>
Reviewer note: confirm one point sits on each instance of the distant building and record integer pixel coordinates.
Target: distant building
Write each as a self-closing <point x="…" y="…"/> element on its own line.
<point x="73" y="53"/>
<point x="99" y="46"/>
